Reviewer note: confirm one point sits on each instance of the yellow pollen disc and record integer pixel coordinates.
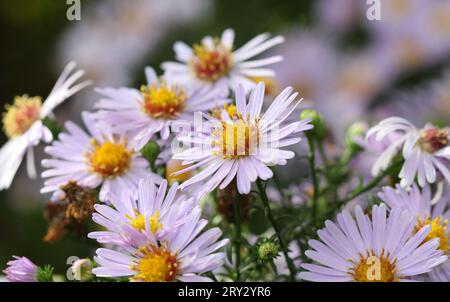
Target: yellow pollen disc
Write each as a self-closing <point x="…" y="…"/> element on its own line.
<point x="441" y="21"/>
<point x="19" y="117"/>
<point x="109" y="159"/>
<point x="156" y="264"/>
<point x="173" y="166"/>
<point x="237" y="139"/>
<point x="163" y="101"/>
<point x="438" y="230"/>
<point x="211" y="64"/>
<point x="374" y="269"/>
<point x="433" y="139"/>
<point x="229" y="108"/>
<point x="270" y="84"/>
<point x="138" y="222"/>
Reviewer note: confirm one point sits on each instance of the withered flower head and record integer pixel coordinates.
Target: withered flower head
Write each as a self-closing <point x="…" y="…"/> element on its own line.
<point x="69" y="213"/>
<point x="226" y="199"/>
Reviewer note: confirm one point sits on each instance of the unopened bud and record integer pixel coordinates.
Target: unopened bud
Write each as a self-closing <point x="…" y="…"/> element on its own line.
<point x="82" y="269"/>
<point x="319" y="130"/>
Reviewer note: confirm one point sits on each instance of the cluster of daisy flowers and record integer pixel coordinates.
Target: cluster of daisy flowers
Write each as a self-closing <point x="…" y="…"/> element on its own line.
<point x="206" y="131"/>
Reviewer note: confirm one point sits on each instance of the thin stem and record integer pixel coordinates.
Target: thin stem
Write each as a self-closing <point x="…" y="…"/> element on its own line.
<point x="369" y="186"/>
<point x="322" y="153"/>
<point x="237" y="236"/>
<point x="312" y="168"/>
<point x="268" y="212"/>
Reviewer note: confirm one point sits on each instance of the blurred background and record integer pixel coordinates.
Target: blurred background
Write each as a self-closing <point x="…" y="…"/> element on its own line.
<point x="348" y="67"/>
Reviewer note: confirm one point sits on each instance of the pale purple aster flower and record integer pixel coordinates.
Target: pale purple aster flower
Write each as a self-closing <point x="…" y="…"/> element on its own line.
<point x="214" y="61"/>
<point x="96" y="158"/>
<point x="426" y="151"/>
<point x="21" y="269"/>
<point x="183" y="254"/>
<point x="23" y="124"/>
<point x="365" y="249"/>
<point x="155" y="107"/>
<point x="419" y="203"/>
<point x="440" y="273"/>
<point x="151" y="213"/>
<point x="245" y="144"/>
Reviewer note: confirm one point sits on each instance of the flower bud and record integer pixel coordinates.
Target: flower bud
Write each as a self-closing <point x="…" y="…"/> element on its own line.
<point x="356" y="130"/>
<point x="319" y="130"/>
<point x="267" y="249"/>
<point x="150" y="152"/>
<point x="82" y="269"/>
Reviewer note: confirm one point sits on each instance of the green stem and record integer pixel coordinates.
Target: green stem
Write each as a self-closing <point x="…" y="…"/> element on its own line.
<point x="322" y="153"/>
<point x="268" y="212"/>
<point x="312" y="168"/>
<point x="369" y="186"/>
<point x="237" y="238"/>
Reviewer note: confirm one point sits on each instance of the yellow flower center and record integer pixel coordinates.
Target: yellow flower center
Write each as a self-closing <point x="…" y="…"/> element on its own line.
<point x="19" y="117"/>
<point x="438" y="230"/>
<point x="173" y="166"/>
<point x="270" y="84"/>
<point x="433" y="139"/>
<point x="211" y="64"/>
<point x="374" y="269"/>
<point x="156" y="264"/>
<point x="229" y="108"/>
<point x="109" y="159"/>
<point x="238" y="139"/>
<point x="440" y="21"/>
<point x="398" y="7"/>
<point x="138" y="222"/>
<point x="163" y="101"/>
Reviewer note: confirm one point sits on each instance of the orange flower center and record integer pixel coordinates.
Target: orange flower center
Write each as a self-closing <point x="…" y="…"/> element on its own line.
<point x="211" y="64"/>
<point x="19" y="117"/>
<point x="163" y="101"/>
<point x="433" y="139"/>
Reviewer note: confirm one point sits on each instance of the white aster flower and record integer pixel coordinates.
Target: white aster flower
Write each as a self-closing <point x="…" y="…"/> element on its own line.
<point x="182" y="254"/>
<point x="244" y="144"/>
<point x="154" y="108"/>
<point x="99" y="157"/>
<point x="420" y="205"/>
<point x="22" y="123"/>
<point x="151" y="213"/>
<point x="426" y="151"/>
<point x="214" y="59"/>
<point x="381" y="249"/>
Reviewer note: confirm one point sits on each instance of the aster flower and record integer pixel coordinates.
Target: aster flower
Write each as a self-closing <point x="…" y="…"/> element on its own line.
<point x="151" y="213"/>
<point x="99" y="157"/>
<point x="426" y="151"/>
<point x="21" y="269"/>
<point x="380" y="249"/>
<point x="154" y="108"/>
<point x="183" y="254"/>
<point x="22" y="123"/>
<point x="419" y="203"/>
<point x="214" y="59"/>
<point x="244" y="144"/>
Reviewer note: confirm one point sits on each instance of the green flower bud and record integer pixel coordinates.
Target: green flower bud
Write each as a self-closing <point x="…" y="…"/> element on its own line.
<point x="82" y="269"/>
<point x="357" y="129"/>
<point x="267" y="249"/>
<point x="319" y="130"/>
<point x="150" y="152"/>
